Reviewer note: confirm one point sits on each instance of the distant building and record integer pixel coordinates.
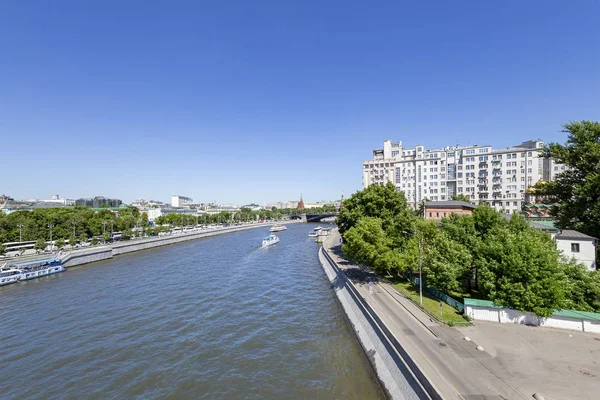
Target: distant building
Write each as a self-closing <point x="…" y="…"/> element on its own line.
<point x="301" y="204"/>
<point x="437" y="210"/>
<point x="498" y="177"/>
<point x="142" y="204"/>
<point x="6" y="198"/>
<point x="98" y="202"/>
<point x="154" y="213"/>
<point x="180" y="201"/>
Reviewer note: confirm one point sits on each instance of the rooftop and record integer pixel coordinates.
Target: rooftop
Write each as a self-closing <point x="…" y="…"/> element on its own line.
<point x="570" y="234"/>
<point x="450" y="204"/>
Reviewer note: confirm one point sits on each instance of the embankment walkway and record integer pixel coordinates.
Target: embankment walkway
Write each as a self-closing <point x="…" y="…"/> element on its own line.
<point x="445" y="364"/>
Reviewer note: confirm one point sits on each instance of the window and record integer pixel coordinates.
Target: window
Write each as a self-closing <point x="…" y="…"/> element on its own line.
<point x="437" y="214"/>
<point x="574" y="247"/>
<point x="429" y="215"/>
<point x="395" y="153"/>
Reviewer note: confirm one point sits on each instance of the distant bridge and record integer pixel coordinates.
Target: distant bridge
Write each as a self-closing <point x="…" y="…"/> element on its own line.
<point x="314" y="217"/>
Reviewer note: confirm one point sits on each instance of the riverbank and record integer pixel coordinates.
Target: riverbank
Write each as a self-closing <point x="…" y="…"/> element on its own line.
<point x="99" y="253"/>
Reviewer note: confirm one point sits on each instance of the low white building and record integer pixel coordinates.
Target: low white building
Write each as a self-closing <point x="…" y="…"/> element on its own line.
<point x="180" y="201"/>
<point x="154" y="213"/>
<point x="578" y="245"/>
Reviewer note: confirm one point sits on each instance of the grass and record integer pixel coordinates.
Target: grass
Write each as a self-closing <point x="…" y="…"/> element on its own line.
<point x="450" y="315"/>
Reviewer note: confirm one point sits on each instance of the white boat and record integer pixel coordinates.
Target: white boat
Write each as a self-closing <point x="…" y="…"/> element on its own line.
<point x="270" y="240"/>
<point x="312" y="234"/>
<point x="278" y="228"/>
<point x="10" y="275"/>
<point x="30" y="270"/>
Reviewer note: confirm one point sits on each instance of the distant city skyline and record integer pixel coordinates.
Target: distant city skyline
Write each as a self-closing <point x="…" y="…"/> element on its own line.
<point x="261" y="101"/>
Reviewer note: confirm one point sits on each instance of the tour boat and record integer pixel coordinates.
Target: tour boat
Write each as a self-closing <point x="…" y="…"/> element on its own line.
<point x="10" y="275"/>
<point x="269" y="240"/>
<point x="278" y="228"/>
<point x="30" y="270"/>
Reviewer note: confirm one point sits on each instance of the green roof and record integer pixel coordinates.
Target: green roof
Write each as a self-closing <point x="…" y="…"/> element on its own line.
<point x="558" y="313"/>
<point x="551" y="224"/>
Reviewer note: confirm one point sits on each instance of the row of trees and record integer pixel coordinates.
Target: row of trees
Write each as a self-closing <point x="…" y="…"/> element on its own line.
<point x="79" y="223"/>
<point x="503" y="260"/>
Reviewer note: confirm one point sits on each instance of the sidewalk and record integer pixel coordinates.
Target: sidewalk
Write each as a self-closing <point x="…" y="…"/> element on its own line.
<point x="454" y="366"/>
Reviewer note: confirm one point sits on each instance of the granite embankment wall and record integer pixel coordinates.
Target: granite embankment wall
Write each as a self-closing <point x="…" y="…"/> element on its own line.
<point x="100" y="253"/>
<point x="395" y="369"/>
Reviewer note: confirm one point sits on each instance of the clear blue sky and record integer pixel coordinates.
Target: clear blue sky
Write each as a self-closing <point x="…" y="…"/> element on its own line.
<point x="255" y="101"/>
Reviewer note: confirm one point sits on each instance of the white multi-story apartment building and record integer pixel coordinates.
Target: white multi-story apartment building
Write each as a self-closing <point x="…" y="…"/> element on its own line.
<point x="498" y="177"/>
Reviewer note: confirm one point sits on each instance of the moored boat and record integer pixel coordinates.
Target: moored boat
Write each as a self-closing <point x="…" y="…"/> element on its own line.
<point x="270" y="240"/>
<point x="10" y="275"/>
<point x="30" y="270"/>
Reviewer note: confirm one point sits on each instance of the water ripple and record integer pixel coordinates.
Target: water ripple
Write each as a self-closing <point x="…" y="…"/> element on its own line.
<point x="218" y="318"/>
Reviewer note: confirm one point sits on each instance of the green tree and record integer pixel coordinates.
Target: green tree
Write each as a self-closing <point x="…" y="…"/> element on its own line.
<point x="59" y="243"/>
<point x="577" y="189"/>
<point x="72" y="241"/>
<point x="2" y="249"/>
<point x="383" y="202"/>
<point x="447" y="264"/>
<point x="462" y="197"/>
<point x="40" y="245"/>
<point x="582" y="287"/>
<point x="522" y="270"/>
<point x="83" y="238"/>
<point x="94" y="241"/>
<point x="144" y="219"/>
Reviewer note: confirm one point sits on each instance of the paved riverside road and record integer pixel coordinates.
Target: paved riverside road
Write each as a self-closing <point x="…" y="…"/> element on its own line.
<point x="453" y="366"/>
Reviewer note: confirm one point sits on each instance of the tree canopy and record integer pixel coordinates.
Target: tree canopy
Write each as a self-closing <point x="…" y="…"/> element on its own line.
<point x="484" y="254"/>
<point x="577" y="189"/>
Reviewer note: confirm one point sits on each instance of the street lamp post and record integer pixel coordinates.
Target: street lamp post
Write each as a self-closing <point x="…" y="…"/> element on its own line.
<point x="419" y="261"/>
<point x="103" y="228"/>
<point x="51" y="244"/>
<point x="20" y="232"/>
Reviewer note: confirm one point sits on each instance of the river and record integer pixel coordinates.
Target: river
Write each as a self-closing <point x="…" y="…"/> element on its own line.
<point x="215" y="318"/>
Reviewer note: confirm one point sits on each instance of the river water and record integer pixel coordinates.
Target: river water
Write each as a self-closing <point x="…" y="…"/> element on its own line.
<point x="216" y="318"/>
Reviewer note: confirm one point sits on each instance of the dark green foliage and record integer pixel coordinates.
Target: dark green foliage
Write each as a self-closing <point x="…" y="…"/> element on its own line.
<point x="504" y="260"/>
<point x="577" y="189"/>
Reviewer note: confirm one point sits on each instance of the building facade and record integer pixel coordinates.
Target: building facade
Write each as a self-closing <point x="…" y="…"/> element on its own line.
<point x="180" y="201"/>
<point x="436" y="210"/>
<point x="578" y="245"/>
<point x="498" y="177"/>
<point x="98" y="202"/>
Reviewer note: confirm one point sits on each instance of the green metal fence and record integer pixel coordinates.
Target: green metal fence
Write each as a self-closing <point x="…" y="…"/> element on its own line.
<point x="439" y="295"/>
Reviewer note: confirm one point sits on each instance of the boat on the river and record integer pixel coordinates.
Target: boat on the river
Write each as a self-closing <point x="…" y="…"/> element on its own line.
<point x="313" y="234"/>
<point x="30" y="270"/>
<point x="9" y="275"/>
<point x="278" y="228"/>
<point x="270" y="240"/>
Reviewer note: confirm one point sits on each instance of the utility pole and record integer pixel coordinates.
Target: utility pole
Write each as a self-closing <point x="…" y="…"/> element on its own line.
<point x="51" y="244"/>
<point x="20" y="232"/>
